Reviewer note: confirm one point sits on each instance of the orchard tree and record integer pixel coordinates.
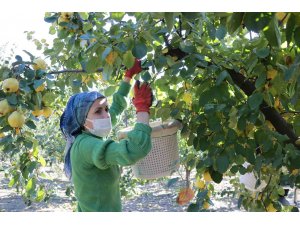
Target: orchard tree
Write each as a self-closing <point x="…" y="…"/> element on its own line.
<point x="231" y="78"/>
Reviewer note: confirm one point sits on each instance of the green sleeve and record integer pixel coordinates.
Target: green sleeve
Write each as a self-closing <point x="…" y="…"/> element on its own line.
<point x="119" y="101"/>
<point x="106" y="153"/>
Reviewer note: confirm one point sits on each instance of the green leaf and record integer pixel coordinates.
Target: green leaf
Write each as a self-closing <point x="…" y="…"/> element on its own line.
<point x="272" y="33"/>
<point x="297" y="36"/>
<point x="216" y="176"/>
<point x="193" y="207"/>
<point x="240" y="201"/>
<point x="280" y="191"/>
<point x="139" y="50"/>
<point x="146" y="76"/>
<point x="86" y="28"/>
<point x="260" y="81"/>
<point x="222" y="163"/>
<point x="49" y="98"/>
<point x="38" y="83"/>
<point x="234" y="169"/>
<point x="128" y="59"/>
<point x="92" y="64"/>
<point x="187" y="46"/>
<point x="221" y="32"/>
<point x="169" y="18"/>
<point x="107" y="71"/>
<point x="235" y="21"/>
<point x="290" y="72"/>
<point x="172" y="181"/>
<point x="30" y="186"/>
<point x="40" y="195"/>
<point x="262" y="52"/>
<point x="290" y="26"/>
<point x="211" y="30"/>
<point x="18" y="58"/>
<point x="30" y="55"/>
<point x="12" y="99"/>
<point x="191" y="15"/>
<point x="255" y="100"/>
<point x="257" y="21"/>
<point x="84" y="15"/>
<point x="50" y="19"/>
<point x="117" y="15"/>
<point x="29" y="74"/>
<point x="214" y="123"/>
<point x="222" y="76"/>
<point x="106" y="52"/>
<point x="110" y="91"/>
<point x="30" y="124"/>
<point x="13" y="180"/>
<point x="42" y="161"/>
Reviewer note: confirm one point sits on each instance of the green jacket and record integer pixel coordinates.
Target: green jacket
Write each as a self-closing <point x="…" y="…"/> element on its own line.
<point x="95" y="161"/>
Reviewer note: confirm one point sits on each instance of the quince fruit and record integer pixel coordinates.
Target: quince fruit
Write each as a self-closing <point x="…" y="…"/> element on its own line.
<point x="185" y="196"/>
<point x="66" y="15"/>
<point x="40" y="64"/>
<point x="10" y="85"/>
<point x="295" y="172"/>
<point x="37" y="112"/>
<point x="16" y="119"/>
<point x="271" y="74"/>
<point x="5" y="108"/>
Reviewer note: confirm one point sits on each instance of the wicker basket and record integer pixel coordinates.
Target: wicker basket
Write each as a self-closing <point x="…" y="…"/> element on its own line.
<point x="163" y="159"/>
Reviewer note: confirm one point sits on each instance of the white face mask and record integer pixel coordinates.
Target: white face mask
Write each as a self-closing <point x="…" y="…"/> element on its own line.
<point x="101" y="127"/>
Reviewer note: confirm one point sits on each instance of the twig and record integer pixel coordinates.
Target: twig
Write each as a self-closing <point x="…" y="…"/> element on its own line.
<point x="292" y="112"/>
<point x="167" y="42"/>
<point x="281" y="21"/>
<point x="72" y="71"/>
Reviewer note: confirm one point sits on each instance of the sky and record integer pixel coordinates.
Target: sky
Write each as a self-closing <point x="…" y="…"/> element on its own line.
<point x="14" y="32"/>
<point x="29" y="15"/>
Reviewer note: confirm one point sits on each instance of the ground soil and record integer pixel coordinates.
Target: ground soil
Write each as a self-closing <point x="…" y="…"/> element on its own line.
<point x="153" y="196"/>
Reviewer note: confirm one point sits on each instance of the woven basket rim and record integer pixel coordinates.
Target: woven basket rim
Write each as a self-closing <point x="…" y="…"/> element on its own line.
<point x="159" y="128"/>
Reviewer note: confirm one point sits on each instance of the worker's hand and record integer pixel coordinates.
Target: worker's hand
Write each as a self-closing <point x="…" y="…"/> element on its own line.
<point x="134" y="70"/>
<point x="143" y="97"/>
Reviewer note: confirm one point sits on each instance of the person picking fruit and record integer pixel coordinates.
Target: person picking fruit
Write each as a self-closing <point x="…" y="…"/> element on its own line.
<point x="92" y="160"/>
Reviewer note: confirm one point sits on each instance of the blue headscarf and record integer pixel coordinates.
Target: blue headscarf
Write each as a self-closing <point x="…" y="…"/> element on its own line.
<point x="72" y="120"/>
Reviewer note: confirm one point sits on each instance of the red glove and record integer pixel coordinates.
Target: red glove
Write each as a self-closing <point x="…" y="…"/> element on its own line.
<point x="134" y="70"/>
<point x="143" y="97"/>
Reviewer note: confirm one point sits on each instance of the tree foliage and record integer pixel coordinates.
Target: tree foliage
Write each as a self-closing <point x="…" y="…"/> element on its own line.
<point x="231" y="78"/>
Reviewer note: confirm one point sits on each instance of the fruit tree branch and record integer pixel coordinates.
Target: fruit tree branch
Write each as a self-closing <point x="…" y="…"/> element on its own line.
<point x="73" y="71"/>
<point x="248" y="87"/>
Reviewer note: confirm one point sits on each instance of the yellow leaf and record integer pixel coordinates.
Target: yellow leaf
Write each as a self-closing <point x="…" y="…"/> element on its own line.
<point x="187" y="98"/>
<point x="110" y="59"/>
<point x="206" y="205"/>
<point x="270" y="208"/>
<point x="199" y="183"/>
<point x="42" y="161"/>
<point x="207" y="176"/>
